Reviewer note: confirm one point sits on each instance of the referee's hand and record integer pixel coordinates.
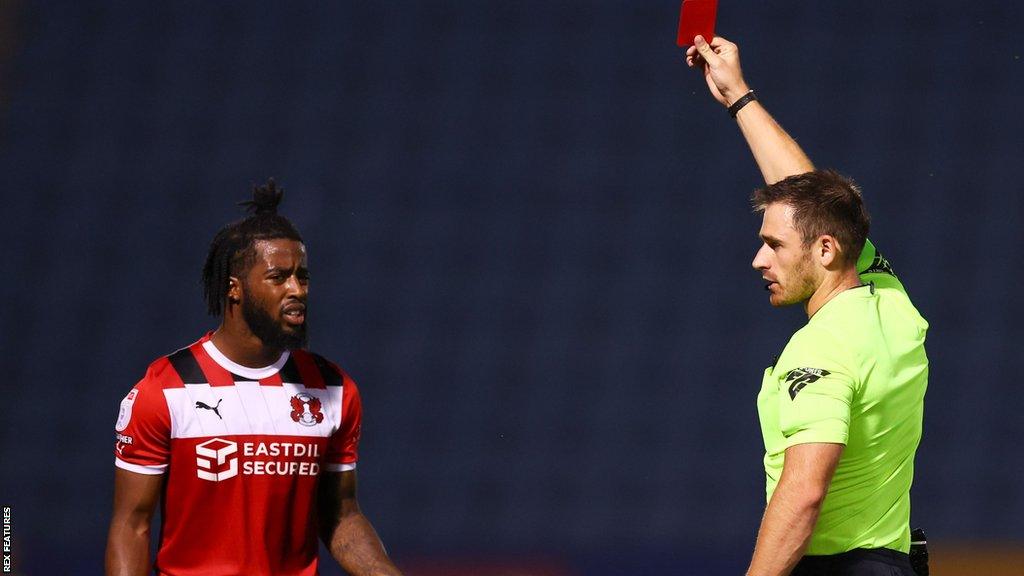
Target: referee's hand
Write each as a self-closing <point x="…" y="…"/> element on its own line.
<point x="720" y="62"/>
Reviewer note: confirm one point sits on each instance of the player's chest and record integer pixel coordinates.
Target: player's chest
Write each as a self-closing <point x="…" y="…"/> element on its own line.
<point x="249" y="408"/>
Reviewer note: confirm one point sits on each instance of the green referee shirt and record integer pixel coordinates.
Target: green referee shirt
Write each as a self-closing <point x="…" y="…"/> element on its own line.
<point x="856" y="375"/>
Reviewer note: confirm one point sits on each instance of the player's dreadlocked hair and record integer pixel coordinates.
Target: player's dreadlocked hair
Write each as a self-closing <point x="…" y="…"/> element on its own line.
<point x="232" y="250"/>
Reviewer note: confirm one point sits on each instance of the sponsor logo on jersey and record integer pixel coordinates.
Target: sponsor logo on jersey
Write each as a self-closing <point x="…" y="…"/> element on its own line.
<point x="212" y="460"/>
<point x="798" y="378"/>
<point x="215" y="408"/>
<point x="218" y="459"/>
<point x="122" y="441"/>
<point x="306" y="409"/>
<point x="124" y="415"/>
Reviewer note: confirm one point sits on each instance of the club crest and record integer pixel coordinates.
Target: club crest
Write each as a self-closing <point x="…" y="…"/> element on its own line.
<point x="306" y="409"/>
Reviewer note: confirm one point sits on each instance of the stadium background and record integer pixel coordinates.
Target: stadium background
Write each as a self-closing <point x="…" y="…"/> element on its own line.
<point x="530" y="244"/>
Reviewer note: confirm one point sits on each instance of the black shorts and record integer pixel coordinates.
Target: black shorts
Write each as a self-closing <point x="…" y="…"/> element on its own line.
<point x="859" y="562"/>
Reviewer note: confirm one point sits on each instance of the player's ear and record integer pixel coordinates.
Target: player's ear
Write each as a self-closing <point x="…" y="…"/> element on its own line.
<point x="828" y="251"/>
<point x="234" y="290"/>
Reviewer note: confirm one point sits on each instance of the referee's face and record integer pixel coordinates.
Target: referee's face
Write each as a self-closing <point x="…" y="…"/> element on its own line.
<point x="783" y="260"/>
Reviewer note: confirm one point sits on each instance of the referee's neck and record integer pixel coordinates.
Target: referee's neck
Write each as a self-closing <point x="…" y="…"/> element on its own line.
<point x="831" y="286"/>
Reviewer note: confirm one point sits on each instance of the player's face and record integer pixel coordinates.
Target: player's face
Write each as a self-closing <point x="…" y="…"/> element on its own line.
<point x="785" y="264"/>
<point x="274" y="293"/>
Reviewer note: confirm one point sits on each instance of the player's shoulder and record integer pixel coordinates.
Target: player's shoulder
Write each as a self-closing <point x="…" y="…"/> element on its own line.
<point x="817" y="344"/>
<point x="874" y="268"/>
<point x="333" y="375"/>
<point x="147" y="395"/>
<point x="162" y="373"/>
<point x="871" y="261"/>
<point x="814" y="335"/>
<point x="876" y="271"/>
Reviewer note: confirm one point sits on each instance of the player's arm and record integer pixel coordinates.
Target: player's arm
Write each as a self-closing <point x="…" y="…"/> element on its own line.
<point x="776" y="153"/>
<point x="793" y="511"/>
<point x="135" y="498"/>
<point x="347" y="533"/>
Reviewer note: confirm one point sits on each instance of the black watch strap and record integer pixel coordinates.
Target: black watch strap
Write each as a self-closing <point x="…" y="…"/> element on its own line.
<point x="743" y="101"/>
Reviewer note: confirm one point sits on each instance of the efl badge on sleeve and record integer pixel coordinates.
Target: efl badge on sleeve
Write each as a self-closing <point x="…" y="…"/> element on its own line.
<point x="124" y="415"/>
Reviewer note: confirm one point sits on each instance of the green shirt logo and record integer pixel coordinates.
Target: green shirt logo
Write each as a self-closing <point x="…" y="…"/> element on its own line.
<point x="800" y="377"/>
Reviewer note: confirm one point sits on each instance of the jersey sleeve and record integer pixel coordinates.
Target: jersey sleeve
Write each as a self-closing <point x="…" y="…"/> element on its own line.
<point x="343" y="445"/>
<point x="143" y="429"/>
<point x="816" y="389"/>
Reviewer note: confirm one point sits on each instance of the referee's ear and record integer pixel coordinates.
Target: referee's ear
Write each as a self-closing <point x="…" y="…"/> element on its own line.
<point x="829" y="252"/>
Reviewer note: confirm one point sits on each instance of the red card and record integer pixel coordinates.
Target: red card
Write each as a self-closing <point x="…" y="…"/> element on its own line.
<point x="696" y="17"/>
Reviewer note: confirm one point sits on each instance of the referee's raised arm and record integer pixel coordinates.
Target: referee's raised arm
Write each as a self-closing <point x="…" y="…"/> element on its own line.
<point x="777" y="154"/>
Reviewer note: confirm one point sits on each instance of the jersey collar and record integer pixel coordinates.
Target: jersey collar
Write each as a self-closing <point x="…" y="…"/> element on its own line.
<point x="244" y="371"/>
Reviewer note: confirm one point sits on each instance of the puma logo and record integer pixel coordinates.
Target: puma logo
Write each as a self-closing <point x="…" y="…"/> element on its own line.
<point x="204" y="406"/>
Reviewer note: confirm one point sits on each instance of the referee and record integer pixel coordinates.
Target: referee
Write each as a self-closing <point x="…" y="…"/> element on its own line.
<point x="841" y="407"/>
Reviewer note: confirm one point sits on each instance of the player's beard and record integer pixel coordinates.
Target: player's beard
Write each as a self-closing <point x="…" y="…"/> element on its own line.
<point x="269" y="330"/>
<point x="804" y="280"/>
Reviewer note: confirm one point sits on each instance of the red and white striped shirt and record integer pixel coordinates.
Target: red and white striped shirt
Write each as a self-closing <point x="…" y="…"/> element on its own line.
<point x="242" y="449"/>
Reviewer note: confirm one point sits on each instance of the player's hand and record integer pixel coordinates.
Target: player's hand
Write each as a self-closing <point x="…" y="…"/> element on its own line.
<point x="720" y="62"/>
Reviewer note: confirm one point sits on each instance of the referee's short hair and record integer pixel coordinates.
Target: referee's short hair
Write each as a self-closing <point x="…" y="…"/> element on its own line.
<point x="824" y="202"/>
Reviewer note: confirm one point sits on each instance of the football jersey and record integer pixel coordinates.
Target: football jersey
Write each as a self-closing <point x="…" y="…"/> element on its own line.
<point x="856" y="375"/>
<point x="242" y="449"/>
